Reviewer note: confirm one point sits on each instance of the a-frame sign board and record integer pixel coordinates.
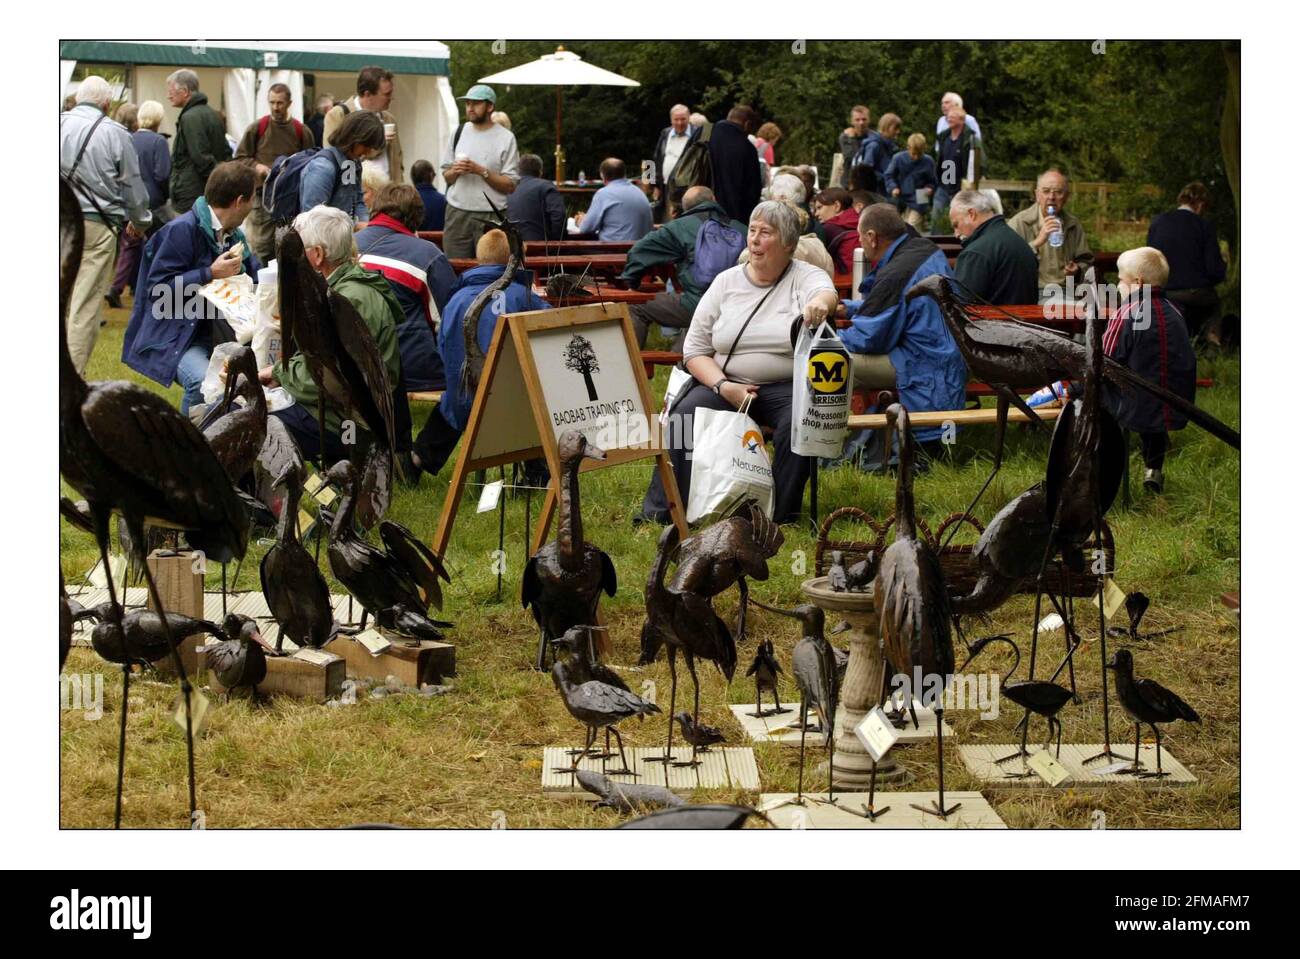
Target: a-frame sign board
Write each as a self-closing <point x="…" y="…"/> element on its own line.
<point x="549" y="371"/>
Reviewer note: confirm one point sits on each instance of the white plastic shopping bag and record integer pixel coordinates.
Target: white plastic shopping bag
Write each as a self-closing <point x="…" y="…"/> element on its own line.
<point x="728" y="463"/>
<point x="823" y="393"/>
<point x="266" y="323"/>
<point x="235" y="296"/>
<point x="678" y="379"/>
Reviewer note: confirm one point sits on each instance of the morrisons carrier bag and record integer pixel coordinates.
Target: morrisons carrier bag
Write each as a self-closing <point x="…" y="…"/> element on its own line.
<point x="728" y="463"/>
<point x="823" y="390"/>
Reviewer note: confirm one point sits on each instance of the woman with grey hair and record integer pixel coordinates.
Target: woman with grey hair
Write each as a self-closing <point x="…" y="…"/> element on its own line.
<point x="740" y="349"/>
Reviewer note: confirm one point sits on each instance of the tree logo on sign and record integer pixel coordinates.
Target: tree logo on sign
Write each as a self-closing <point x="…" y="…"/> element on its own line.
<point x="580" y="356"/>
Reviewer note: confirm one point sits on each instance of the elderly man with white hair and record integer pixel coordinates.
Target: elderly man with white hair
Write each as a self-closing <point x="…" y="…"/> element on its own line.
<point x="995" y="264"/>
<point x="327" y="241"/>
<point x="673" y="140"/>
<point x="97" y="156"/>
<point x="946" y="105"/>
<point x="1038" y="223"/>
<point x="200" y="142"/>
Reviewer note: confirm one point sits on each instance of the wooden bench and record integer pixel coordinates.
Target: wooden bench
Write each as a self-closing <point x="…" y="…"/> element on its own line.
<point x="433" y="236"/>
<point x="574" y="247"/>
<point x="426" y="396"/>
<point x="980" y="417"/>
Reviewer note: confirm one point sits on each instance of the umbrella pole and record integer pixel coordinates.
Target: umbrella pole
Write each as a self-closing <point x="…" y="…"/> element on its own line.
<point x="559" y="150"/>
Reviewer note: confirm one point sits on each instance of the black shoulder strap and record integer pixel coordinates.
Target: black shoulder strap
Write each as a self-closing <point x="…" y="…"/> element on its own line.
<point x="455" y="140"/>
<point x="85" y="190"/>
<point x="732" y="352"/>
<point x="86" y="142"/>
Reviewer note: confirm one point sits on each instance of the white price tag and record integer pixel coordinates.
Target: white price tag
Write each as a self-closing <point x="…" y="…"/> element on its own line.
<point x="373" y="641"/>
<point x="1047" y="767"/>
<point x="116" y="565"/>
<point x="876" y="733"/>
<point x="491" y="495"/>
<point x="317" y="657"/>
<point x="1051" y="623"/>
<point x="1114" y="597"/>
<point x="198" y="711"/>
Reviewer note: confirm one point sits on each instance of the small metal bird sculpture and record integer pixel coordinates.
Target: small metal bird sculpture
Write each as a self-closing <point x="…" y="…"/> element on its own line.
<point x="593" y="703"/>
<point x="862" y="573"/>
<point x="626" y="797"/>
<point x="765" y="668"/>
<point x="836" y="576"/>
<point x="236" y="433"/>
<point x="1146" y="701"/>
<point x="240" y="661"/>
<point x="563" y="580"/>
<point x="395" y="585"/>
<point x="698" y="734"/>
<point x="295" y="591"/>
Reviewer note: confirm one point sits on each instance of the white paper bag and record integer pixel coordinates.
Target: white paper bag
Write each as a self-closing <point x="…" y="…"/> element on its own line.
<point x="677" y="379"/>
<point x="266" y="323"/>
<point x="728" y="463"/>
<point x="823" y="392"/>
<point x="214" y="387"/>
<point x="235" y="297"/>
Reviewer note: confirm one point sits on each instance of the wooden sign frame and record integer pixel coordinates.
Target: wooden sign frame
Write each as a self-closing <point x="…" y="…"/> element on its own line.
<point x="512" y="347"/>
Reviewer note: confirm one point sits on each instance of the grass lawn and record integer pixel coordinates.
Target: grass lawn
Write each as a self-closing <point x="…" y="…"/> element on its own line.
<point x="463" y="759"/>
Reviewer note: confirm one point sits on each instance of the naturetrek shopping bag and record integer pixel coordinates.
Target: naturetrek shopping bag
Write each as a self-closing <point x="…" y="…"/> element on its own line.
<point x="728" y="463"/>
<point x="823" y="391"/>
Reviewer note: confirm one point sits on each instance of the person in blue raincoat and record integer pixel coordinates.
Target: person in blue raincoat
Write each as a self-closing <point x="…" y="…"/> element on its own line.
<point x="900" y="346"/>
<point x="434" y="445"/>
<point x="171" y="332"/>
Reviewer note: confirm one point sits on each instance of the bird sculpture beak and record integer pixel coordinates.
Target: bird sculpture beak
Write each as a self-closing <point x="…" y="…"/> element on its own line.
<point x="594" y="452"/>
<point x="256" y="635"/>
<point x="774" y="609"/>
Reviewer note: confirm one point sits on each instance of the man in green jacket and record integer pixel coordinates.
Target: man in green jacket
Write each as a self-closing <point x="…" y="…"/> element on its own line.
<point x="674" y="242"/>
<point x="995" y="264"/>
<point x="200" y="139"/>
<point x="327" y="238"/>
<point x="1073" y="256"/>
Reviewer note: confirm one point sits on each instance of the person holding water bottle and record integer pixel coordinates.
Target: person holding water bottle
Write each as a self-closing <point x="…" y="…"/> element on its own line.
<point x="1056" y="237"/>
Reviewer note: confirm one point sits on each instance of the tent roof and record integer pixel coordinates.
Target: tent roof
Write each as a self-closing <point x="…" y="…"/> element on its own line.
<point x="429" y="57"/>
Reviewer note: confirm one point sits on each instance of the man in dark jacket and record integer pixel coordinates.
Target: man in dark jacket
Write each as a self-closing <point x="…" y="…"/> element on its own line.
<point x="435" y="204"/>
<point x="170" y="335"/>
<point x="901" y="345"/>
<point x="200" y="142"/>
<point x="442" y="430"/>
<point x="674" y="242"/>
<point x="672" y="142"/>
<point x="957" y="157"/>
<point x="996" y="265"/>
<point x="536" y="207"/>
<point x="850" y="141"/>
<point x="1188" y="241"/>
<point x="737" y="179"/>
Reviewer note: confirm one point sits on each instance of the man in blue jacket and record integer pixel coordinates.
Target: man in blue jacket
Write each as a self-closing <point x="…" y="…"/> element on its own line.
<point x="904" y="347"/>
<point x="442" y="431"/>
<point x="536" y="207"/>
<point x="171" y="334"/>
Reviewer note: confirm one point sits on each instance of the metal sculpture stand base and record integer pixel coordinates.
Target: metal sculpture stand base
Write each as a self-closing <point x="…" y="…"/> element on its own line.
<point x="862" y="684"/>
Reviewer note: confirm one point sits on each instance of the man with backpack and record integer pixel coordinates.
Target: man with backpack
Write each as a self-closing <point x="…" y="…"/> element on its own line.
<point x="737" y="179"/>
<point x="266" y="140"/>
<point x="481" y="167"/>
<point x="701" y="242"/>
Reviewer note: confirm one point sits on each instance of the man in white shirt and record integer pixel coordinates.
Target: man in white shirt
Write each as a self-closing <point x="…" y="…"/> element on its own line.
<point x="668" y="150"/>
<point x="949" y="101"/>
<point x="374" y="93"/>
<point x="481" y="158"/>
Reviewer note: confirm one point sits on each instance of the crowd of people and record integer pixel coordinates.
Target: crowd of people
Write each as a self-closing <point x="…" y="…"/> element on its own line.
<point x="755" y="245"/>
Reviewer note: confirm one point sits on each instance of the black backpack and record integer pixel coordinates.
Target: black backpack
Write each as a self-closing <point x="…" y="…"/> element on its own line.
<point x="694" y="168"/>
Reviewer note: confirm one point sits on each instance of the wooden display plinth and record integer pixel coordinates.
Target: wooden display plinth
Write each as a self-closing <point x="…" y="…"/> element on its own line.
<point x="291" y="676"/>
<point x="425" y="662"/>
<point x="975" y="811"/>
<point x="180" y="584"/>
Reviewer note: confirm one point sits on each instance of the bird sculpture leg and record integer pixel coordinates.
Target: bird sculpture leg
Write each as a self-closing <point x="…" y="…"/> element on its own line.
<point x="121" y="745"/>
<point x="1136" y="768"/>
<point x="573" y="768"/>
<point x="939" y="809"/>
<point x="626" y="770"/>
<point x="542" y="642"/>
<point x="1106" y="751"/>
<point x="690" y="665"/>
<point x="1068" y="627"/>
<point x="758" y="700"/>
<point x="869" y="810"/>
<point x="177" y="663"/>
<point x="667" y="757"/>
<point x="1019" y="753"/>
<point x="776" y="695"/>
<point x="1159" y="773"/>
<point x="223" y="589"/>
<point x="101" y="536"/>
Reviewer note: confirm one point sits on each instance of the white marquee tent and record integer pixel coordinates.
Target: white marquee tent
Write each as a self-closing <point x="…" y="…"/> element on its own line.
<point x="235" y="74"/>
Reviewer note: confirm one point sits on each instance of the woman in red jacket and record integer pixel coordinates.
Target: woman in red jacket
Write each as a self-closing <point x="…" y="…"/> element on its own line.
<point x="834" y="208"/>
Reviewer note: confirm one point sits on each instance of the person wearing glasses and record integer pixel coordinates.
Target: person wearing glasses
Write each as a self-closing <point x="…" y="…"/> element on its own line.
<point x="1073" y="256"/>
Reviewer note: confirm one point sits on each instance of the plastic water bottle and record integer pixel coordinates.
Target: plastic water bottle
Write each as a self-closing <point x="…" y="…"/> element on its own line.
<point x="859" y="268"/>
<point x="582" y="178"/>
<point x="1056" y="237"/>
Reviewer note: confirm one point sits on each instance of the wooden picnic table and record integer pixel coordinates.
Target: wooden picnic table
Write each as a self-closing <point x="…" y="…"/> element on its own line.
<point x="534" y="248"/>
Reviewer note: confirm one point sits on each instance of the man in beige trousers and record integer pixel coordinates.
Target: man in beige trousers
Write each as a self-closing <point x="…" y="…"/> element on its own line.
<point x="97" y="156"/>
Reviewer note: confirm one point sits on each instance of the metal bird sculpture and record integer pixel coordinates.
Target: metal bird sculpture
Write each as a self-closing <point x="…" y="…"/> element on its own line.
<point x="765" y="668"/>
<point x="279" y="453"/>
<point x="563" y="580"/>
<point x="65" y="623"/>
<point x="698" y="734"/>
<point x="295" y="591"/>
<point x="474" y="356"/>
<point x="1039" y="697"/>
<point x="1146" y="701"/>
<point x="396" y="585"/>
<point x="240" y="661"/>
<point x="626" y="797"/>
<point x="726" y="553"/>
<point x="862" y="573"/>
<point x="593" y="703"/>
<point x="836" y="577"/>
<point x="341" y="355"/>
<point x="911" y="598"/>
<point x="128" y="450"/>
<point x="683" y="622"/>
<point x="236" y="433"/>
<point x="816" y="673"/>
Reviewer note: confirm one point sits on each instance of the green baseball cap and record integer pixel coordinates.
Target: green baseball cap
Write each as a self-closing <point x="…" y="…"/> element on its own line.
<point x="480" y="91"/>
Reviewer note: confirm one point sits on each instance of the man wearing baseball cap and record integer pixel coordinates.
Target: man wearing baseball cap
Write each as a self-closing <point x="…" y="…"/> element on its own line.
<point x="482" y="158"/>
